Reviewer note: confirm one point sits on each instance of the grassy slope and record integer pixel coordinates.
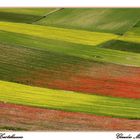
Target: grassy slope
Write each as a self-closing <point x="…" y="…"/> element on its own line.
<point x="86" y="52"/>
<point x="129" y="42"/>
<point x="104" y="20"/>
<point x="137" y="24"/>
<point x="27" y="15"/>
<point x="132" y="35"/>
<point x="17" y="60"/>
<point x="69" y="101"/>
<point x="27" y="11"/>
<point x="86" y="37"/>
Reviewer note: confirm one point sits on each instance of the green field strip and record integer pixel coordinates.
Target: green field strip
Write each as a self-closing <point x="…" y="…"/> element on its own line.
<point x="27" y="11"/>
<point x="70" y="35"/>
<point x="78" y="51"/>
<point x="25" y="15"/>
<point x="129" y="42"/>
<point x="114" y="20"/>
<point x="132" y="35"/>
<point x="122" y="46"/>
<point x="69" y="101"/>
<point x="138" y="24"/>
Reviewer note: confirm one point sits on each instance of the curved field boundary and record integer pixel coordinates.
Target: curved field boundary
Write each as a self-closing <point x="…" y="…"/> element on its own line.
<point x="69" y="101"/>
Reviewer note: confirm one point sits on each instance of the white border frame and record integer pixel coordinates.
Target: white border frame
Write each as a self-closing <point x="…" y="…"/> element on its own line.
<point x="70" y="3"/>
<point x="75" y="4"/>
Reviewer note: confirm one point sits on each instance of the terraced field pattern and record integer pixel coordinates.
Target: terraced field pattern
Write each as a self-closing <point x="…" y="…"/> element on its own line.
<point x="69" y="69"/>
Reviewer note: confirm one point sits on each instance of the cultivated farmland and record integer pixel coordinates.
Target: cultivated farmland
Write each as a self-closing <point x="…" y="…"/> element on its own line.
<point x="79" y="64"/>
<point x="94" y="19"/>
<point x="28" y="15"/>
